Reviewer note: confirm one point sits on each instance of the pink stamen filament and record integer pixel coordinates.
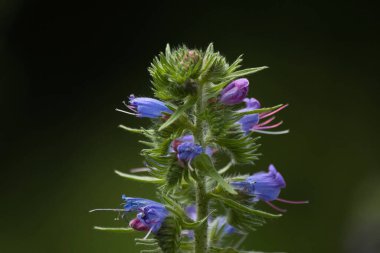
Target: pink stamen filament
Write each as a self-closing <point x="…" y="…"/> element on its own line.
<point x="292" y="201"/>
<point x="265" y="115"/>
<point x="268" y="127"/>
<point x="267" y="122"/>
<point x="275" y="207"/>
<point x="132" y="108"/>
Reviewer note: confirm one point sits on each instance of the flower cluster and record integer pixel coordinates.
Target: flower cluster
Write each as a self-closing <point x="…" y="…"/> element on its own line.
<point x="201" y="118"/>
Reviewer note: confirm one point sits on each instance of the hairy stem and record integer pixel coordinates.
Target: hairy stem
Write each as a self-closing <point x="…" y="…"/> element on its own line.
<point x="202" y="211"/>
<point x="201" y="193"/>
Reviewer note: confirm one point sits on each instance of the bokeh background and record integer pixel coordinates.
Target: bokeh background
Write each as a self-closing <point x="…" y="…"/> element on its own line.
<point x="65" y="66"/>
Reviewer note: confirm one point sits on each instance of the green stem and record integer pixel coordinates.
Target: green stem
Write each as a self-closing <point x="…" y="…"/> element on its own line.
<point x="201" y="193"/>
<point x="202" y="211"/>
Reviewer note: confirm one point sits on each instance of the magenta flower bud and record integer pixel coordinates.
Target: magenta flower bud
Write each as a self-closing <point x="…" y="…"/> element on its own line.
<point x="138" y="225"/>
<point x="235" y="92"/>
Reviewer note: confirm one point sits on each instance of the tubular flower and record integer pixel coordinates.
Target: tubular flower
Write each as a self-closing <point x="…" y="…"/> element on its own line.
<point x="133" y="204"/>
<point x="252" y="122"/>
<point x="235" y="92"/>
<point x="146" y="107"/>
<point x="150" y="214"/>
<point x="265" y="186"/>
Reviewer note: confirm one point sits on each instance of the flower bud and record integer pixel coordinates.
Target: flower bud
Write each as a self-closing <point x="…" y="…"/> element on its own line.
<point x="136" y="224"/>
<point x="235" y="92"/>
<point x="147" y="107"/>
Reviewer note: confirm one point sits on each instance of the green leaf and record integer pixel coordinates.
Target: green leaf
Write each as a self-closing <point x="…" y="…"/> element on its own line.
<point x="203" y="163"/>
<point x="174" y="175"/>
<point x="245" y="72"/>
<point x="178" y="113"/>
<point x="233" y="204"/>
<point x="178" y="210"/>
<point x="146" y="179"/>
<point x="122" y="230"/>
<point x="132" y="130"/>
<point x="196" y="224"/>
<point x="225" y="168"/>
<point x="261" y="110"/>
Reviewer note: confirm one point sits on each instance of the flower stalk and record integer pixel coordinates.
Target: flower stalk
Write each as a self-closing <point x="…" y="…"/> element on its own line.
<point x="197" y="117"/>
<point x="201" y="193"/>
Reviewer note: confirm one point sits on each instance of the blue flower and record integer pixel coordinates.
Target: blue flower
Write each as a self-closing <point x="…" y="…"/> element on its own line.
<point x="188" y="138"/>
<point x="187" y="151"/>
<point x="133" y="204"/>
<point x="265" y="186"/>
<point x="146" y="107"/>
<point x="153" y="216"/>
<point x="226" y="228"/>
<point x="251" y="122"/>
<point x="150" y="214"/>
<point x="235" y="92"/>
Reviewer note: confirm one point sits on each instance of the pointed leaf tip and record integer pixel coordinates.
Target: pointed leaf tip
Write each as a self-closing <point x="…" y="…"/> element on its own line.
<point x="203" y="163"/>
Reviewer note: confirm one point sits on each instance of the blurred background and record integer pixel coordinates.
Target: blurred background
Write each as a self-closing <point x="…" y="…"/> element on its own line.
<point x="66" y="65"/>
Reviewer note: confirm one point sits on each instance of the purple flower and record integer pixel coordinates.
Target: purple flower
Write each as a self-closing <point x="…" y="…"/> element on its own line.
<point x="265" y="186"/>
<point x="150" y="214"/>
<point x="133" y="204"/>
<point x="188" y="138"/>
<point x="251" y="122"/>
<point x="235" y="92"/>
<point x="146" y="107"/>
<point x="226" y="228"/>
<point x="187" y="151"/>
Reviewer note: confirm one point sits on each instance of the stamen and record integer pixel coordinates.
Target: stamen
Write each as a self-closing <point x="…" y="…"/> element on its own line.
<point x="275" y="207"/>
<point x="190" y="167"/>
<point x="132" y="108"/>
<point x="147" y="235"/>
<point x="292" y="201"/>
<point x="265" y="115"/>
<point x="269" y="127"/>
<point x="267" y="122"/>
<point x="107" y="209"/>
<point x="118" y="110"/>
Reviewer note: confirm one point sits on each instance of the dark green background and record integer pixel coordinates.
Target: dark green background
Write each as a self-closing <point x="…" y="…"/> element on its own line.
<point x="67" y="64"/>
